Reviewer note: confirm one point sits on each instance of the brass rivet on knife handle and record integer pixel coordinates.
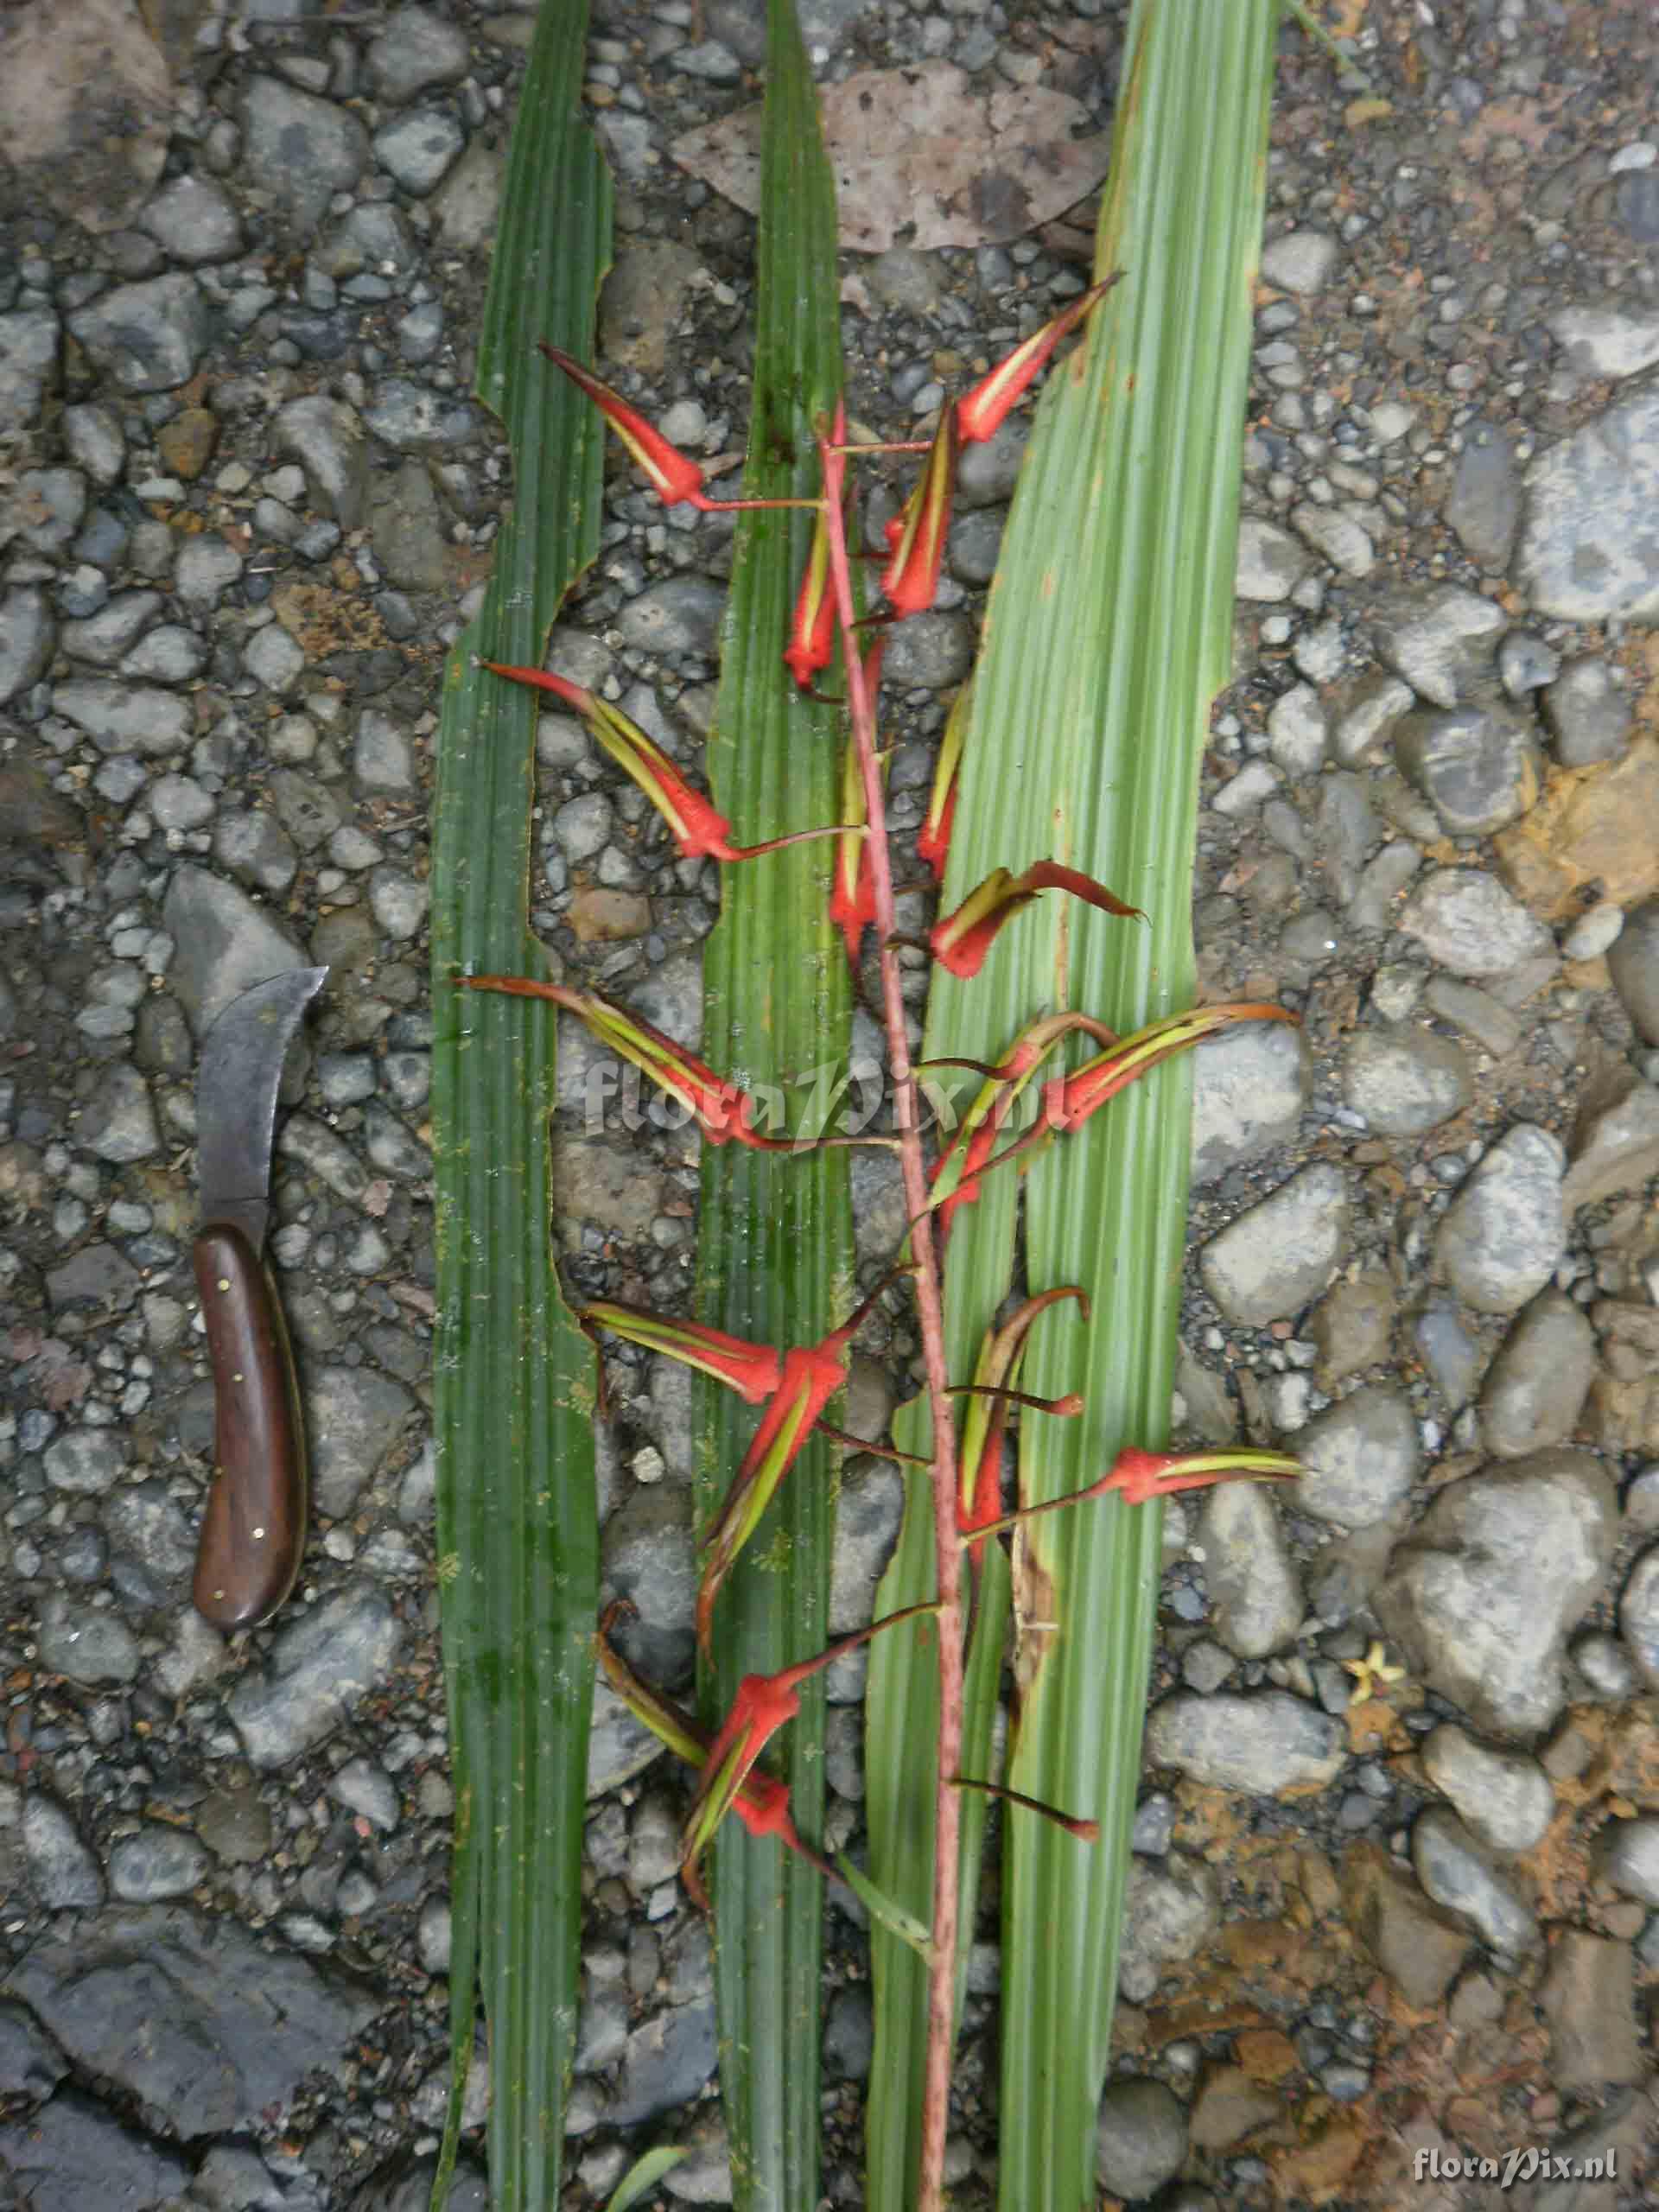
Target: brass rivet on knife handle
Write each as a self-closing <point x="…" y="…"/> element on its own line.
<point x="253" y="1530"/>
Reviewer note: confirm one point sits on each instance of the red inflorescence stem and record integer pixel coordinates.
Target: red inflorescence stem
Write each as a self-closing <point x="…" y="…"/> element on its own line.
<point x="947" y="1806"/>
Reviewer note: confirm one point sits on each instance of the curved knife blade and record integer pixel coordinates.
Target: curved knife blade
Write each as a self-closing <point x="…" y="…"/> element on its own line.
<point x="253" y="1530"/>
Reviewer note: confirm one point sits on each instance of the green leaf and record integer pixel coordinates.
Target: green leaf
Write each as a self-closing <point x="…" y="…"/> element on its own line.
<point x="643" y="2176"/>
<point x="1108" y="631"/>
<point x="775" y="1244"/>
<point x="517" y="1538"/>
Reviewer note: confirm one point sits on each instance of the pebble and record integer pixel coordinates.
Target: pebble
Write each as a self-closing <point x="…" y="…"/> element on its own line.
<point x="1279" y="1254"/>
<point x="298" y="150"/>
<point x="103" y="638"/>
<point x="206" y="569"/>
<point x="85" y="1461"/>
<point x="354" y="1416"/>
<point x="321" y="1664"/>
<point x="1483" y="505"/>
<point x="1250" y="1085"/>
<point x="28" y="634"/>
<point x="1638" y="1614"/>
<point x="1261" y="1742"/>
<point x="1588" y="1998"/>
<point x="1535" y="1388"/>
<point x="1504" y="1798"/>
<point x="419" y="149"/>
<point x="1255" y="1595"/>
<point x="62" y="1872"/>
<point x="29" y="360"/>
<point x="1588" y="713"/>
<point x="1587" y="553"/>
<point x="1271" y="562"/>
<point x="145" y="337"/>
<point x="1302" y="261"/>
<point x="1607" y="341"/>
<point x="363" y="1787"/>
<point x="257" y="850"/>
<point x="1496" y="1573"/>
<point x="1362" y="1457"/>
<point x="666" y="2063"/>
<point x="1627" y="1855"/>
<point x="1525" y="663"/>
<point x="1590" y="936"/>
<point x="1502" y="1236"/>
<point x="1616" y="1140"/>
<point x="325" y="435"/>
<point x="1352" y="1327"/>
<point x="1405" y="1082"/>
<point x="273" y="658"/>
<point x="1477" y="766"/>
<point x="1139" y="2137"/>
<point x="1365" y="718"/>
<point x="1633" y="963"/>
<point x="156" y="1862"/>
<point x="1468" y="922"/>
<point x="192" y="219"/>
<point x="417" y="49"/>
<point x="1169" y="1913"/>
<point x="1440" y="638"/>
<point x="1296" y="733"/>
<point x="225" y="943"/>
<point x="1458" y="1875"/>
<point x="412" y="418"/>
<point x="1345" y="544"/>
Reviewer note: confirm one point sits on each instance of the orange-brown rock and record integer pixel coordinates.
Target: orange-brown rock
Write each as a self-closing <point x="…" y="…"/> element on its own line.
<point x="1593" y="825"/>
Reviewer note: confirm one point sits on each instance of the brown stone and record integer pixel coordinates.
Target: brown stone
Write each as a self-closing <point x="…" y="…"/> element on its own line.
<point x="604" y="916"/>
<point x="619" y="1191"/>
<point x="1315" y="2171"/>
<point x="1266" y="2053"/>
<point x="1588" y="1997"/>
<point x="1417" y="1946"/>
<point x="186" y="444"/>
<point x="1231" y="2107"/>
<point x="1593" y="825"/>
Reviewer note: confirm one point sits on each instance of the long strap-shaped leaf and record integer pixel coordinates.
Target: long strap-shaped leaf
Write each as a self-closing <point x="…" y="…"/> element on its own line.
<point x="775" y="1245"/>
<point x="1134" y="469"/>
<point x="518" y="1541"/>
<point x="1108" y="635"/>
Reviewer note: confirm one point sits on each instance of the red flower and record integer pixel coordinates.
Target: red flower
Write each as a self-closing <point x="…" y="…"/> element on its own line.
<point x="673" y="476"/>
<point x="911" y="576"/>
<point x="961" y="940"/>
<point x="981" y="412"/>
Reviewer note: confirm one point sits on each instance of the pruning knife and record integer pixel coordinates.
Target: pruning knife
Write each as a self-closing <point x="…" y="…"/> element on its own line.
<point x="253" y="1529"/>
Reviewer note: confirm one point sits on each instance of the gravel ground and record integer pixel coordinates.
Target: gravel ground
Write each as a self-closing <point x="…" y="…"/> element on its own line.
<point x="1400" y="1836"/>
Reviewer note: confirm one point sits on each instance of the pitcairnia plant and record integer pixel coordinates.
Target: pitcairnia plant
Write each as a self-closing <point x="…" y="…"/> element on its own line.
<point x="1059" y="1070"/>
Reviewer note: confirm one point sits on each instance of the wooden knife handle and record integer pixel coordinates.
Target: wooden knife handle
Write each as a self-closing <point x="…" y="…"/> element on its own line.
<point x="253" y="1530"/>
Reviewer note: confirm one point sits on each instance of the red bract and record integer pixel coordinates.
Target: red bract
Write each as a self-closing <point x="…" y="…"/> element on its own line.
<point x="1069" y="1102"/>
<point x="985" y="1416"/>
<point x="933" y="844"/>
<point x="961" y="940"/>
<point x="911" y="576"/>
<point x="764" y="1703"/>
<point x="852" y="887"/>
<point x="722" y="1111"/>
<point x="1139" y="1478"/>
<point x="673" y="477"/>
<point x="969" y="1149"/>
<point x="981" y="412"/>
<point x="754" y="1371"/>
<point x="812" y="632"/>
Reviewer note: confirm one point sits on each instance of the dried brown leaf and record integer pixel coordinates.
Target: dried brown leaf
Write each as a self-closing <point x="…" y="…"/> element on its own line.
<point x="922" y="158"/>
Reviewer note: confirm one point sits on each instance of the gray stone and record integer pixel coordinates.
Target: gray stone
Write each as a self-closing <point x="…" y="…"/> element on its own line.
<point x="1493" y="1027"/>
<point x="125" y="717"/>
<point x="104" y="637"/>
<point x="145" y="1524"/>
<point x="412" y="418"/>
<point x="383" y="761"/>
<point x="1169" y="1913"/>
<point x="1504" y="1798"/>
<point x="299" y="150"/>
<point x="1344" y="542"/>
<point x="1346" y="829"/>
<point x="1627" y="1855"/>
<point x="1353" y="1326"/>
<point x="62" y="1872"/>
<point x="419" y="149"/>
<point x="363" y="1788"/>
<point x="620" y="1747"/>
<point x="1362" y="1457"/>
<point x="206" y="568"/>
<point x="1536" y="1388"/>
<point x="1364" y="716"/>
<point x="667" y="2062"/>
<point x="28" y="634"/>
<point x="1633" y="963"/>
<point x="929" y="651"/>
<point x="1615" y="1139"/>
<point x="1256" y="1597"/>
<point x="1479" y="767"/>
<point x="1607" y="341"/>
<point x="1526" y="664"/>
<point x="1249" y="1083"/>
<point x="1405" y="1081"/>
<point x="869" y="1509"/>
<point x="417" y="49"/>
<point x="155" y="1863"/>
<point x="370" y="240"/>
<point x="223" y="944"/>
<point x="1459" y="1876"/>
<point x="1450" y="1354"/>
<point x="200" y="2020"/>
<point x="31" y="2065"/>
<point x="679" y="615"/>
<point x="1298" y="261"/>
<point x="1468" y="922"/>
<point x="28" y="362"/>
<point x="1277" y="1257"/>
<point x="582" y="826"/>
<point x="325" y="435"/>
<point x="322" y="1664"/>
<point x="1296" y="732"/>
<point x="274" y="658"/>
<point x="192" y="219"/>
<point x="1483" y="506"/>
<point x="988" y="470"/>
<point x="1499" y="1569"/>
<point x="48" y="508"/>
<point x="407" y="524"/>
<point x="976" y="541"/>
<point x="1588" y="1997"/>
<point x="1261" y="1742"/>
<point x="96" y="1274"/>
<point x="1271" y="562"/>
<point x="85" y="1461"/>
<point x="307" y="809"/>
<point x="118" y="1122"/>
<point x="1591" y="934"/>
<point x="354" y="1416"/>
<point x="145" y="337"/>
<point x="649" y="1556"/>
<point x="1504" y="1234"/>
<point x="1638" y="1614"/>
<point x="325" y="1155"/>
<point x="1139" y="2137"/>
<point x="71" y="2155"/>
<point x="1440" y="638"/>
<point x="1589" y="549"/>
<point x="1588" y="713"/>
<point x="468" y="202"/>
<point x="257" y="850"/>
